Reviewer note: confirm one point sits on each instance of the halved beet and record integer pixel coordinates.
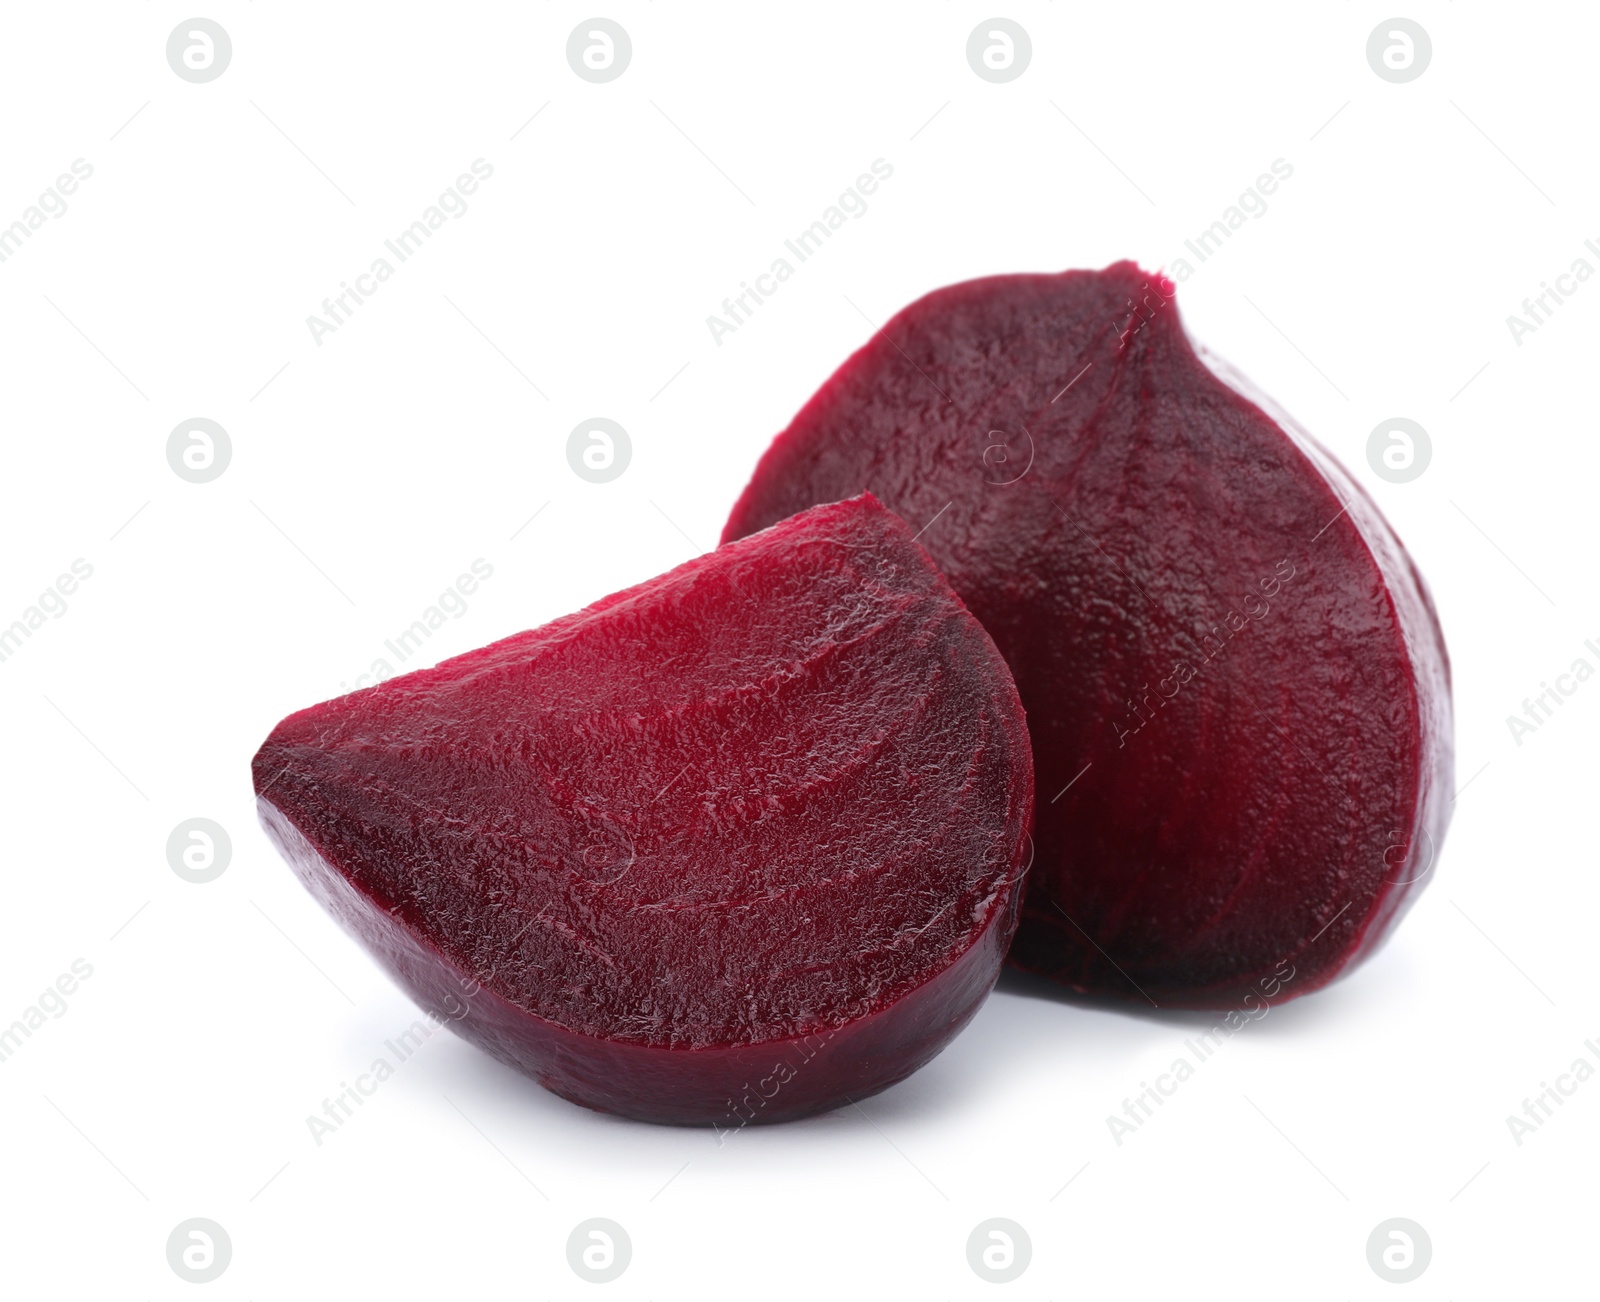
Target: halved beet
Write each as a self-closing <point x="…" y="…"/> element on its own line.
<point x="738" y="844"/>
<point x="1235" y="680"/>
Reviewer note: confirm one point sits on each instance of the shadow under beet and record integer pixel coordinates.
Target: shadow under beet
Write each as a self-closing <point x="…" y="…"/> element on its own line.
<point x="1030" y="1019"/>
<point x="1285" y="1014"/>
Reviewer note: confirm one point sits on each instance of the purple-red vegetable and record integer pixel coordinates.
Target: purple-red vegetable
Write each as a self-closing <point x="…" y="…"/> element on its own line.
<point x="1236" y="684"/>
<point x="741" y="843"/>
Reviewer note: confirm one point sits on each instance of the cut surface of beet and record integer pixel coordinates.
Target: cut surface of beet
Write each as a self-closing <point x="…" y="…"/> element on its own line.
<point x="737" y="844"/>
<point x="1236" y="684"/>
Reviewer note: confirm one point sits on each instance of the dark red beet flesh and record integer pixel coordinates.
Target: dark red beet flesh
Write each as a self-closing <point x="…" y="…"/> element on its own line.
<point x="1235" y="681"/>
<point x="737" y="844"/>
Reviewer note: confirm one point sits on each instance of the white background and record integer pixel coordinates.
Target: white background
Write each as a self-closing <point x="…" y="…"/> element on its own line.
<point x="369" y="471"/>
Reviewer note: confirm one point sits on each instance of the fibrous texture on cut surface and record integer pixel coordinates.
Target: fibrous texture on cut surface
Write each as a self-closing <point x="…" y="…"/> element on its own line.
<point x="1235" y="681"/>
<point x="733" y="845"/>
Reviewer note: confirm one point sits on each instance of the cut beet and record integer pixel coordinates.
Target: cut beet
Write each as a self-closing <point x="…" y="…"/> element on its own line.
<point x="1235" y="680"/>
<point x="739" y="844"/>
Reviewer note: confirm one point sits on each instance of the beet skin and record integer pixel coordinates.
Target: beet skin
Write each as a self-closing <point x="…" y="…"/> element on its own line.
<point x="1235" y="681"/>
<point x="739" y="844"/>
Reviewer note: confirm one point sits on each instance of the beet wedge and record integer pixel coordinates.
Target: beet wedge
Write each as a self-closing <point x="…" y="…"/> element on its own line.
<point x="1236" y="685"/>
<point x="738" y="844"/>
